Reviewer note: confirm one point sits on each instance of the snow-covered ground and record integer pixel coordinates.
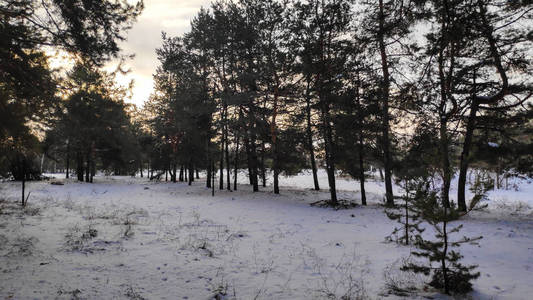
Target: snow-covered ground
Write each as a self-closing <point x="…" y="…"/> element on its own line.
<point x="124" y="237"/>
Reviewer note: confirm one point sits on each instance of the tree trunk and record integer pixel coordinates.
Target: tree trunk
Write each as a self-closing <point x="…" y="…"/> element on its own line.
<point x="67" y="175"/>
<point x="208" y="177"/>
<point x="385" y="86"/>
<point x="361" y="170"/>
<point x="276" y="180"/>
<point x="93" y="169"/>
<point x="23" y="180"/>
<point x="445" y="253"/>
<point x="253" y="152"/>
<point x="406" y="215"/>
<point x="191" y="173"/>
<point x="236" y="164"/>
<point x="175" y="170"/>
<point x="228" y="171"/>
<point x="213" y="174"/>
<point x="181" y="174"/>
<point x="443" y="114"/>
<point x="248" y="159"/>
<point x="310" y="145"/>
<point x="222" y="144"/>
<point x="79" y="166"/>
<point x="221" y="177"/>
<point x="197" y="174"/>
<point x="88" y="168"/>
<point x="465" y="156"/>
<point x="67" y="172"/>
<point x="274" y="134"/>
<point x="208" y="169"/>
<point x="330" y="159"/>
<point x="445" y="161"/>
<point x="263" y="168"/>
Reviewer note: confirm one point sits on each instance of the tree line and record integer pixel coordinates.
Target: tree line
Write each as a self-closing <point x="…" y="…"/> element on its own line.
<point x="275" y="87"/>
<point x="420" y="90"/>
<point x="44" y="111"/>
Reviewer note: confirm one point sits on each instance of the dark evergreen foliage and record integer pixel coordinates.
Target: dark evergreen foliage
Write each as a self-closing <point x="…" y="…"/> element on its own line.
<point x="273" y="87"/>
<point x="406" y="213"/>
<point x="94" y="125"/>
<point x="88" y="30"/>
<point x="448" y="274"/>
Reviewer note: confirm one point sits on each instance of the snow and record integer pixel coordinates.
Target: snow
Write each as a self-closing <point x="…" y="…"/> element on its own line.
<point x="124" y="237"/>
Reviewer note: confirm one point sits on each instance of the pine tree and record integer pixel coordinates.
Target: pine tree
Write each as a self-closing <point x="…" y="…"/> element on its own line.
<point x="95" y="125"/>
<point x="448" y="274"/>
<point x="413" y="174"/>
<point x="357" y="120"/>
<point x="445" y="88"/>
<point x="385" y="29"/>
<point x="407" y="214"/>
<point x="501" y="46"/>
<point x="321" y="29"/>
<point x="87" y="29"/>
<point x="183" y="109"/>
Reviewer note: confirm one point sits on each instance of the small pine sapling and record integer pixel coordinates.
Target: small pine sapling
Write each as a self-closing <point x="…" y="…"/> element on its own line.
<point x="479" y="189"/>
<point x="414" y="174"/>
<point x="406" y="214"/>
<point x="447" y="273"/>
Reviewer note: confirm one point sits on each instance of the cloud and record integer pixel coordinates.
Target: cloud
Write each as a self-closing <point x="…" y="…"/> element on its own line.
<point x="170" y="16"/>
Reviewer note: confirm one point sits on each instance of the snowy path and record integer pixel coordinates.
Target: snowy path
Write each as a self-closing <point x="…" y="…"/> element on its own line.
<point x="129" y="238"/>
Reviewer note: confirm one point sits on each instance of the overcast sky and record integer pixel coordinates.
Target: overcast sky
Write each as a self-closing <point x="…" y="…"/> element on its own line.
<point x="171" y="16"/>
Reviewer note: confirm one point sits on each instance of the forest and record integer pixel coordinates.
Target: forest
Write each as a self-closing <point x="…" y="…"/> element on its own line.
<point x="415" y="115"/>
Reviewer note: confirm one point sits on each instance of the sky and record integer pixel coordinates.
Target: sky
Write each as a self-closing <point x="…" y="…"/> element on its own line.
<point x="170" y="16"/>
